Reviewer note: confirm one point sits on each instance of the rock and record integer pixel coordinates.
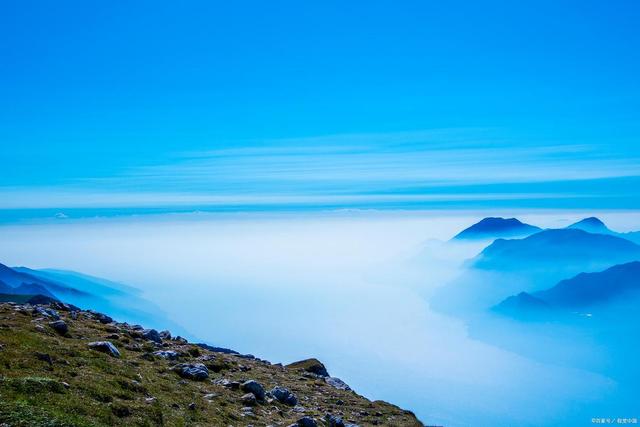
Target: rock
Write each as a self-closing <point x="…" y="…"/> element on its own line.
<point x="232" y="385"/>
<point x="337" y="383"/>
<point x="44" y="357"/>
<point x="192" y="406"/>
<point x="192" y="371"/>
<point x="310" y="365"/>
<point x="151" y="335"/>
<point x="46" y="312"/>
<point x="180" y="340"/>
<point x="105" y="347"/>
<point x="165" y="335"/>
<point x="210" y="396"/>
<point x="167" y="354"/>
<point x="59" y="326"/>
<point x="150" y="400"/>
<point x="284" y="395"/>
<point x="100" y="317"/>
<point x="249" y="399"/>
<point x="306" y="422"/>
<point x="334" y="421"/>
<point x="254" y="387"/>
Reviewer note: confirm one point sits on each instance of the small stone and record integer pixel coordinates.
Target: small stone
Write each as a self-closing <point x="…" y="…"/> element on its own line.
<point x="249" y="399"/>
<point x="254" y="387"/>
<point x="150" y="400"/>
<point x="105" y="347"/>
<point x="192" y="406"/>
<point x="59" y="326"/>
<point x="210" y="396"/>
<point x="232" y="385"/>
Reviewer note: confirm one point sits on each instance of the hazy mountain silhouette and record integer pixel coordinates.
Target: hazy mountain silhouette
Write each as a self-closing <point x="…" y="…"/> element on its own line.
<point x="561" y="248"/>
<point x="592" y="225"/>
<point x="496" y="227"/>
<point x="537" y="262"/>
<point x="582" y="291"/>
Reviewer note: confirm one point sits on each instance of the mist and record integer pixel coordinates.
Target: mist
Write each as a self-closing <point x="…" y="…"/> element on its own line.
<point x="351" y="288"/>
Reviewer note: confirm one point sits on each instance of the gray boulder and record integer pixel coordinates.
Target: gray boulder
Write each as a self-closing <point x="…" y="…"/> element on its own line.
<point x="284" y="395"/>
<point x="306" y="422"/>
<point x="152" y="335"/>
<point x="192" y="371"/>
<point x="254" y="387"/>
<point x="59" y="326"/>
<point x="105" y="347"/>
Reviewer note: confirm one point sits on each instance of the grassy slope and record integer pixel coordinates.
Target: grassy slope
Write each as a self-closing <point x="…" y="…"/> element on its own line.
<point x="82" y="387"/>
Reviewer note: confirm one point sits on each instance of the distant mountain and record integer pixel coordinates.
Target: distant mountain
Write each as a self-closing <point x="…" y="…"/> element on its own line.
<point x="523" y="305"/>
<point x="592" y="225"/>
<point x="508" y="267"/>
<point x="595" y="225"/>
<point x="561" y="249"/>
<point x="22" y="299"/>
<point x="22" y="283"/>
<point x="493" y="228"/>
<point x="586" y="290"/>
<point x="87" y="292"/>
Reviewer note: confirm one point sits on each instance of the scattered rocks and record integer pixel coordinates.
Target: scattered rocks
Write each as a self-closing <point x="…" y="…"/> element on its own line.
<point x="284" y="395"/>
<point x="167" y="354"/>
<point x="249" y="399"/>
<point x="46" y="312"/>
<point x="105" y="347"/>
<point x="337" y="383"/>
<point x="192" y="371"/>
<point x="59" y="326"/>
<point x="152" y="335"/>
<point x="254" y="387"/>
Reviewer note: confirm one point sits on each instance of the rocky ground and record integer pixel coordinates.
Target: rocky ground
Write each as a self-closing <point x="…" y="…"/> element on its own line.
<point x="61" y="366"/>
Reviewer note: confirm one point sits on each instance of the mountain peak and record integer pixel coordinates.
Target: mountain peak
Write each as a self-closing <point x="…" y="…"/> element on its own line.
<point x="591" y="224"/>
<point x="496" y="227"/>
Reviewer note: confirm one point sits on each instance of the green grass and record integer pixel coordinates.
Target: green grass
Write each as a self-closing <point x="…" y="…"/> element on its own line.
<point x="82" y="387"/>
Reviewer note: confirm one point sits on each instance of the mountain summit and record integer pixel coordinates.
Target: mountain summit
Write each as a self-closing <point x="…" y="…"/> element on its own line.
<point x="591" y="225"/>
<point x="497" y="227"/>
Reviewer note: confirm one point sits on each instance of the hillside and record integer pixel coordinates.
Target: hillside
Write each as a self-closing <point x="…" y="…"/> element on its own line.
<point x="79" y="368"/>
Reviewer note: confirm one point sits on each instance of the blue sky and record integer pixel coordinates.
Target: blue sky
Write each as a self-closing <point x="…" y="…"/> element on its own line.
<point x="367" y="104"/>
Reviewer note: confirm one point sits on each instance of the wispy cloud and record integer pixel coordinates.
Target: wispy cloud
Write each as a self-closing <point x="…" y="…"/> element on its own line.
<point x="350" y="169"/>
